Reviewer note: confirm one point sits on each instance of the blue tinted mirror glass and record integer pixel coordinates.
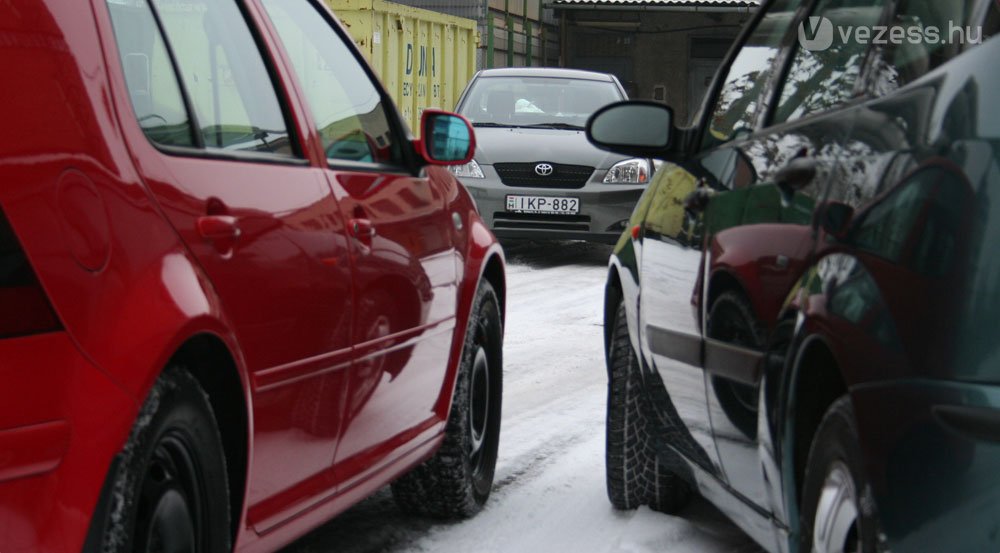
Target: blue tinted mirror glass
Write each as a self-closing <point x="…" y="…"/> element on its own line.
<point x="448" y="138"/>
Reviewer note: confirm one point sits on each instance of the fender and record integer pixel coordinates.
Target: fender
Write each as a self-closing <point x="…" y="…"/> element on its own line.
<point x="807" y="324"/>
<point x="626" y="259"/>
<point x="623" y="267"/>
<point x="478" y="248"/>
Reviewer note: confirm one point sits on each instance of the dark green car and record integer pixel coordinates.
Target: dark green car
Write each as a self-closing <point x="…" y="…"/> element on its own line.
<point x="799" y="318"/>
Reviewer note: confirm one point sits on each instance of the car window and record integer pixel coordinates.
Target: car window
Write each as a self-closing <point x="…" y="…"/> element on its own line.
<point x="221" y="69"/>
<point x="823" y="75"/>
<point x="935" y="32"/>
<point x="737" y="104"/>
<point x="149" y="75"/>
<point x="555" y="101"/>
<point x="346" y="106"/>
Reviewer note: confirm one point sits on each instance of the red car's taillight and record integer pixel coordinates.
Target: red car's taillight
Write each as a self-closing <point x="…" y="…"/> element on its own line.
<point x="24" y="309"/>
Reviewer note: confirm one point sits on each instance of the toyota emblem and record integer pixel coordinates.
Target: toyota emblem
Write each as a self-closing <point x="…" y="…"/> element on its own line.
<point x="543" y="169"/>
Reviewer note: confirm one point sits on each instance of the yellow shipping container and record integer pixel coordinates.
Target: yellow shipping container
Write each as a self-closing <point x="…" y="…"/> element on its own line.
<point x="424" y="58"/>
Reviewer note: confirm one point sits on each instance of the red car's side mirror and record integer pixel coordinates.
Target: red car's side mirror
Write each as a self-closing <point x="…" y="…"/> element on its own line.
<point x="445" y="138"/>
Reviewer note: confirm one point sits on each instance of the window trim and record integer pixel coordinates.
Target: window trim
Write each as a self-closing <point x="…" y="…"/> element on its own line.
<point x="248" y="156"/>
<point x="335" y="164"/>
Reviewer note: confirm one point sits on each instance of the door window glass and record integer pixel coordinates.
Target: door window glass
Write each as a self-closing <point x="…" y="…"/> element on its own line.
<point x="935" y="32"/>
<point x="224" y="75"/>
<point x="822" y="78"/>
<point x="149" y="75"/>
<point x="749" y="75"/>
<point x="346" y="106"/>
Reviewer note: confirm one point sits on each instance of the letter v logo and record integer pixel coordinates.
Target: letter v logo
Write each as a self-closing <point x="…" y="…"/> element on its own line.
<point x="816" y="34"/>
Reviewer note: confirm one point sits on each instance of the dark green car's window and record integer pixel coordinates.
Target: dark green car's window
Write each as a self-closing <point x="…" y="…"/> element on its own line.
<point x="935" y="32"/>
<point x="149" y="75"/>
<point x="739" y="100"/>
<point x="824" y="74"/>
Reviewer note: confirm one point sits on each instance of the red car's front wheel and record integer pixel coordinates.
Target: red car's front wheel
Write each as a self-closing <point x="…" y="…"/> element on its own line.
<point x="456" y="482"/>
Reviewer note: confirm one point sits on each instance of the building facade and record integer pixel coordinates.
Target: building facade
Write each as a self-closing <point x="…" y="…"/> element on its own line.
<point x="662" y="50"/>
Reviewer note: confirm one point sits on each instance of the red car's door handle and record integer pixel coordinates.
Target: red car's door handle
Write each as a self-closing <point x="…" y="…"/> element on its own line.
<point x="362" y="229"/>
<point x="218" y="227"/>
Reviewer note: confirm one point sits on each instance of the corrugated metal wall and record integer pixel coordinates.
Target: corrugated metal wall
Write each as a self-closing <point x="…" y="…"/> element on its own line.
<point x="494" y="18"/>
<point x="424" y="58"/>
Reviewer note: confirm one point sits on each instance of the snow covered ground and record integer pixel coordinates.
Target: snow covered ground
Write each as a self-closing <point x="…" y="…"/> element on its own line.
<point x="549" y="493"/>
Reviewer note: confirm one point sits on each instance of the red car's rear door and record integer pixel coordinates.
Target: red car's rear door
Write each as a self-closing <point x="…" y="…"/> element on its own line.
<point x="226" y="168"/>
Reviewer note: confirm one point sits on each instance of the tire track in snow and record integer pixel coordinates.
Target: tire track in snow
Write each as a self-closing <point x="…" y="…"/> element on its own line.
<point x="549" y="491"/>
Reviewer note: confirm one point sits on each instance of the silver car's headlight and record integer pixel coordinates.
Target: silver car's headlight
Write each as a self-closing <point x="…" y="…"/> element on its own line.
<point x="630" y="171"/>
<point x="470" y="170"/>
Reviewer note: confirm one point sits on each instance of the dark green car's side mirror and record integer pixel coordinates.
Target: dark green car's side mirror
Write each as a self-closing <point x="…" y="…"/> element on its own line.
<point x="633" y="128"/>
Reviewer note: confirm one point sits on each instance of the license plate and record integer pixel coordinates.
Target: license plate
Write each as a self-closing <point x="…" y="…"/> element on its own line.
<point x="543" y="204"/>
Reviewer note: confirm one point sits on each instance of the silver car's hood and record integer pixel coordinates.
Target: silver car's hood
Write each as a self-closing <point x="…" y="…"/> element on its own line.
<point x="512" y="144"/>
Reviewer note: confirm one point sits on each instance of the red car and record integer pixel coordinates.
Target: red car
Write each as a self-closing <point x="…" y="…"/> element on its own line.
<point x="236" y="296"/>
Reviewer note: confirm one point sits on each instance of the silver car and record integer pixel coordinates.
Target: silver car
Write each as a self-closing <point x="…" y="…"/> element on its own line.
<point x="534" y="174"/>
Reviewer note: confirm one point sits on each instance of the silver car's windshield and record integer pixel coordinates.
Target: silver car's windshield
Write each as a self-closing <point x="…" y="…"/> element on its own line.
<point x="536" y="101"/>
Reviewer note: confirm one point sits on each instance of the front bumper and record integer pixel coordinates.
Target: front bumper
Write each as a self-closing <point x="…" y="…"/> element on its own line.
<point x="604" y="209"/>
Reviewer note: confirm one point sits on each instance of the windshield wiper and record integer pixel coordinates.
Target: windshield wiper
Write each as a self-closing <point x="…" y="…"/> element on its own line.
<point x="569" y="126"/>
<point x="491" y="124"/>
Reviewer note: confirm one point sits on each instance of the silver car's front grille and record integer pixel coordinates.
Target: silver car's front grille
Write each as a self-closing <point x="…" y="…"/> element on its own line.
<point x="559" y="175"/>
<point x="537" y="221"/>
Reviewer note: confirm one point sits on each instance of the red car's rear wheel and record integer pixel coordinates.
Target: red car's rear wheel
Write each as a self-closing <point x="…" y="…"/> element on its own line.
<point x="170" y="491"/>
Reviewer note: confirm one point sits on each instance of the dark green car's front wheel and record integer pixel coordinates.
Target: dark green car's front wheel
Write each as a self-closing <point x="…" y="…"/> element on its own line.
<point x="633" y="473"/>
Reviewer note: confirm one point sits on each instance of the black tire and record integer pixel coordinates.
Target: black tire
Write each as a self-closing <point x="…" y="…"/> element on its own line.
<point x="456" y="482"/>
<point x="835" y="466"/>
<point x="170" y="490"/>
<point x="633" y="473"/>
<point x="731" y="320"/>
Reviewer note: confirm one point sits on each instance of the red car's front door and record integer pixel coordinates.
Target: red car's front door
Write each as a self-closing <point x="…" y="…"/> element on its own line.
<point x="401" y="243"/>
<point x="406" y="288"/>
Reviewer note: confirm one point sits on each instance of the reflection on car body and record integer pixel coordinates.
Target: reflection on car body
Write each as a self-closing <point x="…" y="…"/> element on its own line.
<point x="842" y="288"/>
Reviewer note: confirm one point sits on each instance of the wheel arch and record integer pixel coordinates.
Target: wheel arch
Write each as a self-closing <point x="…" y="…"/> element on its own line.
<point x="484" y="261"/>
<point x="816" y="383"/>
<point x="612" y="295"/>
<point x="493" y="273"/>
<point x="209" y="360"/>
<point x="723" y="281"/>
